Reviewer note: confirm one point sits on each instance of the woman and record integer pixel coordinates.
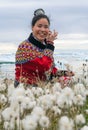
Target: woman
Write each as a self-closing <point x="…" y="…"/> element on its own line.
<point x="34" y="57"/>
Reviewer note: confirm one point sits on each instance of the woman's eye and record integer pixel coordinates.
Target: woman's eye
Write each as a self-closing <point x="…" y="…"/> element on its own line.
<point x="45" y="26"/>
<point x="40" y="26"/>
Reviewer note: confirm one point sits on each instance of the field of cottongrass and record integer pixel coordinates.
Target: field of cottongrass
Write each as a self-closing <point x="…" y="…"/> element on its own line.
<point x="51" y="106"/>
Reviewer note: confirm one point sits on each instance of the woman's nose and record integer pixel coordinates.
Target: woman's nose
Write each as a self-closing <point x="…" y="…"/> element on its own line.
<point x="43" y="29"/>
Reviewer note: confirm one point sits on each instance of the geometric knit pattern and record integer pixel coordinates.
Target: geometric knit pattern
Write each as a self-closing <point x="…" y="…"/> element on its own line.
<point x="28" y="51"/>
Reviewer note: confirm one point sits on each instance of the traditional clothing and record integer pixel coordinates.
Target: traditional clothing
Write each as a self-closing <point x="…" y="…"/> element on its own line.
<point x="34" y="61"/>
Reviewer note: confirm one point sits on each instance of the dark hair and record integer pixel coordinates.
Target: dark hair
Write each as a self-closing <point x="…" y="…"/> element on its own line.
<point x="38" y="14"/>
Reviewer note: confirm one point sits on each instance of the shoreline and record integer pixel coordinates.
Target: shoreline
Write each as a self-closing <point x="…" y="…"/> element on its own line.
<point x="7" y="62"/>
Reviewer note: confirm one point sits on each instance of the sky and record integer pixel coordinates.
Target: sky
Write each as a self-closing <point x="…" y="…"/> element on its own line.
<point x="68" y="17"/>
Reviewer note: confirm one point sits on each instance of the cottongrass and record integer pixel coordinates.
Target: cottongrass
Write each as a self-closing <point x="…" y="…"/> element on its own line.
<point x="51" y="106"/>
<point x="65" y="123"/>
<point x="84" y="128"/>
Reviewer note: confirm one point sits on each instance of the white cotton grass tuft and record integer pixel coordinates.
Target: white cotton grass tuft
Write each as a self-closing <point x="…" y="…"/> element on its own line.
<point x="56" y="110"/>
<point x="38" y="111"/>
<point x="3" y="99"/>
<point x="7" y="113"/>
<point x="15" y="102"/>
<point x="79" y="88"/>
<point x="79" y="100"/>
<point x="84" y="128"/>
<point x="46" y="101"/>
<point x="12" y="125"/>
<point x="29" y="93"/>
<point x="17" y="96"/>
<point x="28" y="103"/>
<point x="86" y="81"/>
<point x="57" y="94"/>
<point x="44" y="122"/>
<point x="47" y="91"/>
<point x="2" y="87"/>
<point x="6" y="125"/>
<point x="80" y="119"/>
<point x="65" y="98"/>
<point x="56" y="87"/>
<point x="10" y="89"/>
<point x="86" y="111"/>
<point x="60" y="101"/>
<point x="65" y="123"/>
<point x="68" y="96"/>
<point x="29" y="123"/>
<point x="86" y="92"/>
<point x="37" y="91"/>
<point x="19" y="91"/>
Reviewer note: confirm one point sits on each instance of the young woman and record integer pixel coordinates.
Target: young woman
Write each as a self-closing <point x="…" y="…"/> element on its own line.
<point x="34" y="56"/>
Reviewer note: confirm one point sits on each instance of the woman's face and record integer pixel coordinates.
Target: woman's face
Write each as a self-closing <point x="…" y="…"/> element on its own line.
<point x="41" y="29"/>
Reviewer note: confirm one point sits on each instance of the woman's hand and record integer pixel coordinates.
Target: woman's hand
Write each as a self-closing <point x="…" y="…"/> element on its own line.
<point x="52" y="36"/>
<point x="65" y="73"/>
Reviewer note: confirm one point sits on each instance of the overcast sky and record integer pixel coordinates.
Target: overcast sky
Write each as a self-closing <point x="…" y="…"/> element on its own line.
<point x="68" y="17"/>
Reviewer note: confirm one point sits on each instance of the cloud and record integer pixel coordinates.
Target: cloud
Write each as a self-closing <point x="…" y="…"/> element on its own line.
<point x="72" y="41"/>
<point x="69" y="44"/>
<point x="74" y="36"/>
<point x="15" y="36"/>
<point x="68" y="17"/>
<point x="43" y="3"/>
<point x="7" y="47"/>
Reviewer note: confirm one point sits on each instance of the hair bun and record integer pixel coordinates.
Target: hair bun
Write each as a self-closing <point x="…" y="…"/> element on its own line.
<point x="39" y="12"/>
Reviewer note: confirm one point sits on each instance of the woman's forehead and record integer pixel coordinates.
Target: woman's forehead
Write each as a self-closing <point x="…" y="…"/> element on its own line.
<point x="43" y="20"/>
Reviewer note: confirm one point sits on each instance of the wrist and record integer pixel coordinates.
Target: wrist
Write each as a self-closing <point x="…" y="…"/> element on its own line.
<point x="50" y="46"/>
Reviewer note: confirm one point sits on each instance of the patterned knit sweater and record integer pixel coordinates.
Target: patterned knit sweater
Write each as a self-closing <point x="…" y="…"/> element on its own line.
<point x="34" y="61"/>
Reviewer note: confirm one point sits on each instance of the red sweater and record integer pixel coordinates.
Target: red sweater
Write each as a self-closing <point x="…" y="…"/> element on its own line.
<point x="34" y="61"/>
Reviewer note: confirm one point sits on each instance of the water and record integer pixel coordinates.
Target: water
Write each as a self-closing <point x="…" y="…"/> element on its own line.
<point x="7" y="60"/>
<point x="72" y="54"/>
<point x="7" y="66"/>
<point x="7" y="70"/>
